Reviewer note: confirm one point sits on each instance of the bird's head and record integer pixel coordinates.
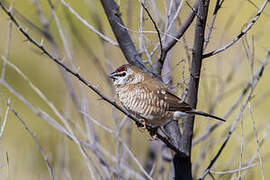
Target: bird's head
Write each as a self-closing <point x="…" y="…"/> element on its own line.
<point x="126" y="75"/>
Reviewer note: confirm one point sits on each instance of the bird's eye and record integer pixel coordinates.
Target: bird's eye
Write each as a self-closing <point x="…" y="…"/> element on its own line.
<point x="122" y="74"/>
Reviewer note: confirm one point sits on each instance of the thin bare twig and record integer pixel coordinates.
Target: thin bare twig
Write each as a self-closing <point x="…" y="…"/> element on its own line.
<point x="50" y="120"/>
<point x="234" y="170"/>
<point x="165" y="34"/>
<point x="242" y="148"/>
<point x="115" y="134"/>
<point x="182" y="29"/>
<point x="35" y="139"/>
<point x="241" y="34"/>
<point x="173" y="14"/>
<point x="80" y="78"/>
<point x="4" y="121"/>
<point x="105" y="38"/>
<point x="141" y="38"/>
<point x="3" y="72"/>
<point x="227" y="114"/>
<point x="156" y="27"/>
<point x="265" y="135"/>
<point x="97" y="150"/>
<point x="256" y="77"/>
<point x="84" y="44"/>
<point x="257" y="140"/>
<point x="213" y="19"/>
<point x="83" y="105"/>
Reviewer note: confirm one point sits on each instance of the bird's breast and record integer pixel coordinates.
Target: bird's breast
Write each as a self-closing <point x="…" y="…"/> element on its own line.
<point x="144" y="104"/>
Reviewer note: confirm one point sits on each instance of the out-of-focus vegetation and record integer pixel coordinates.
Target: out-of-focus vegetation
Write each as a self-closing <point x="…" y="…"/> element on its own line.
<point x="20" y="157"/>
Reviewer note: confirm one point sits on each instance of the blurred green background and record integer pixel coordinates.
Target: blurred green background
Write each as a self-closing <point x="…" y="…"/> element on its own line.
<point x="20" y="157"/>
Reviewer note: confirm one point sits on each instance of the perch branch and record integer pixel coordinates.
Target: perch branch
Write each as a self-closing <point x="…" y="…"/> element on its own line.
<point x="80" y="78"/>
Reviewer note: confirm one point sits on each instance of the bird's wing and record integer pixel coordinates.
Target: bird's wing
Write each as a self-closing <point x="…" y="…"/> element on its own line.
<point x="162" y="92"/>
<point x="174" y="102"/>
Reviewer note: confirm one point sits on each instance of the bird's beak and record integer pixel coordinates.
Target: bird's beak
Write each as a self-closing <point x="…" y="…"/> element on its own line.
<point x="113" y="75"/>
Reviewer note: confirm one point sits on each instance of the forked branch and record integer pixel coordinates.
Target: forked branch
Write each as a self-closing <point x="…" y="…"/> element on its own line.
<point x="80" y="78"/>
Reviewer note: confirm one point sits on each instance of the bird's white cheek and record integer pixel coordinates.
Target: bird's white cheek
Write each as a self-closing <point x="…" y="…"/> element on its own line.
<point x="115" y="82"/>
<point x="179" y="114"/>
<point x="119" y="81"/>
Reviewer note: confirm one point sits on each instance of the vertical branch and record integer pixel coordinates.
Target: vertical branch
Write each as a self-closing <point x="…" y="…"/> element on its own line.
<point x="195" y="73"/>
<point x="184" y="165"/>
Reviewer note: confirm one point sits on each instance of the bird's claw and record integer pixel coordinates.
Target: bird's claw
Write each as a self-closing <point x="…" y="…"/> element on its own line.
<point x="153" y="134"/>
<point x="153" y="137"/>
<point x="142" y="125"/>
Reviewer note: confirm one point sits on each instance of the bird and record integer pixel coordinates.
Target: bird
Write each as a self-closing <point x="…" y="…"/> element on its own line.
<point x="148" y="98"/>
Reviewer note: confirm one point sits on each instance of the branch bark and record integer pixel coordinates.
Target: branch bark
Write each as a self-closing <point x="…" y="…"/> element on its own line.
<point x="187" y="134"/>
<point x="128" y="48"/>
<point x="59" y="62"/>
<point x="240" y="35"/>
<point x="169" y="44"/>
<point x="126" y="45"/>
<point x="195" y="73"/>
<point x="181" y="163"/>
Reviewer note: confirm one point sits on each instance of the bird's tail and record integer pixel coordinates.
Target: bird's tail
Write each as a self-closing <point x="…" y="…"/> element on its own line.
<point x="204" y="114"/>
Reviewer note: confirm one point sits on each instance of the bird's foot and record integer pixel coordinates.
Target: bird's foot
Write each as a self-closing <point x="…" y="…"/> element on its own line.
<point x="153" y="137"/>
<point x="153" y="134"/>
<point x="141" y="126"/>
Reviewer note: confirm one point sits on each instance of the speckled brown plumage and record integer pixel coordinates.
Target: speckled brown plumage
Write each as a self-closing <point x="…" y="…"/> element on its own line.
<point x="148" y="98"/>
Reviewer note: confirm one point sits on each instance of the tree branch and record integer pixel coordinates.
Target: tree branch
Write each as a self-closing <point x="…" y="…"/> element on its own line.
<point x="186" y="141"/>
<point x="241" y="34"/>
<point x="195" y="73"/>
<point x="182" y="29"/>
<point x="156" y="27"/>
<point x="211" y="26"/>
<point x="256" y="79"/>
<point x="80" y="78"/>
<point x="112" y="11"/>
<point x="41" y="150"/>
